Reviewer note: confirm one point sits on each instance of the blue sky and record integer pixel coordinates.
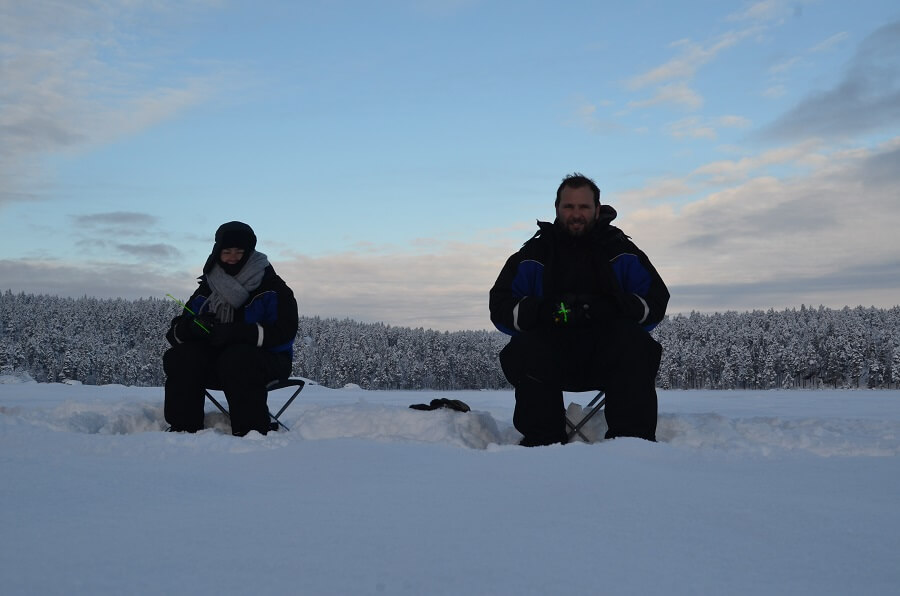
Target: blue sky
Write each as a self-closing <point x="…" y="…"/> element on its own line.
<point x="391" y="155"/>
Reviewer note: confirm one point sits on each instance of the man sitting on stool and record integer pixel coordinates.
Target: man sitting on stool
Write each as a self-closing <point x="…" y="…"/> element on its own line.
<point x="579" y="299"/>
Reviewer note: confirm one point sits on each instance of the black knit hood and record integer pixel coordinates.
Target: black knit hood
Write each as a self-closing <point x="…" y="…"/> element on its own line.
<point x="234" y="234"/>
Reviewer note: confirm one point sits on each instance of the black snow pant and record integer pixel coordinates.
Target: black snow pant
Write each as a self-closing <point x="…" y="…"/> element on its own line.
<point x="240" y="370"/>
<point x="617" y="356"/>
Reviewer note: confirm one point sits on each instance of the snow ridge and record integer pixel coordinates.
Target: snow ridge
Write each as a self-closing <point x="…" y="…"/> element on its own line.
<point x="384" y="416"/>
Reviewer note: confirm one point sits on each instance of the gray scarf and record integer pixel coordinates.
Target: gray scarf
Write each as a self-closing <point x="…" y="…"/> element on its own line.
<point x="231" y="292"/>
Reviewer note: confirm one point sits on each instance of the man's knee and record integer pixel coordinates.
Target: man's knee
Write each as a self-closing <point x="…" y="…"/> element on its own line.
<point x="511" y="364"/>
<point x="527" y="360"/>
<point x="646" y="353"/>
<point x="631" y="344"/>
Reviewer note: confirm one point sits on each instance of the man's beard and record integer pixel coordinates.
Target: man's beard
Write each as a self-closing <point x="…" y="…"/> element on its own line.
<point x="582" y="228"/>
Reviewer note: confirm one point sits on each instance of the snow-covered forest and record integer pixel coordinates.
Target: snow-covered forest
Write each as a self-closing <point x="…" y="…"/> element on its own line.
<point x="795" y="348"/>
<point x="101" y="342"/>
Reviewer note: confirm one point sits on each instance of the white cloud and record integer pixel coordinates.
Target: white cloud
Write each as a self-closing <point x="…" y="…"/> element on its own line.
<point x="704" y="128"/>
<point x="781" y="71"/>
<point x="70" y="83"/>
<point x="671" y="79"/>
<point x="691" y="57"/>
<point x="785" y="65"/>
<point x="676" y="93"/>
<point x="731" y="121"/>
<point x="770" y="11"/>
<point x="655" y="191"/>
<point x="585" y="115"/>
<point x="691" y="128"/>
<point x="829" y="43"/>
<point x="774" y="92"/>
<point x="102" y="279"/>
<point x="445" y="288"/>
<point x="759" y="11"/>
<point x="826" y="236"/>
<point x="866" y="99"/>
<point x="729" y="171"/>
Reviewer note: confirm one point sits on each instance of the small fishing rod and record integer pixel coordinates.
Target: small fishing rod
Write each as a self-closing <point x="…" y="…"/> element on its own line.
<point x="185" y="307"/>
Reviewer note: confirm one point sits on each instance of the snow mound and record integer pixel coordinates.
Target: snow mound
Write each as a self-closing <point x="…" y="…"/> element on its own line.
<point x="385" y="423"/>
<point x="391" y="423"/>
<point x="16" y="378"/>
<point x="753" y="424"/>
<point x="766" y="435"/>
<point x="93" y="418"/>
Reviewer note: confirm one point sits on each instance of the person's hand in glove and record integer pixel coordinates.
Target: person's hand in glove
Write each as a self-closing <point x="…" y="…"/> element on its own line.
<point x="530" y="313"/>
<point x="594" y="308"/>
<point x="631" y="306"/>
<point x="577" y="310"/>
<point x="234" y="333"/>
<point x="192" y="328"/>
<point x="583" y="310"/>
<point x="557" y="312"/>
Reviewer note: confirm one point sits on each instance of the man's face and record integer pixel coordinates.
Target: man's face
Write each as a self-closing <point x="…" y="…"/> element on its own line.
<point x="576" y="211"/>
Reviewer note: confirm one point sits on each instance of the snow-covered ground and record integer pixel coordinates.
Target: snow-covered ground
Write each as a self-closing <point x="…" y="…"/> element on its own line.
<point x="757" y="492"/>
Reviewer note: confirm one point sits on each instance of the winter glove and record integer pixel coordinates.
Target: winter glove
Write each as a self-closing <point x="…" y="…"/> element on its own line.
<point x="616" y="305"/>
<point x="584" y="310"/>
<point x="631" y="306"/>
<point x="557" y="312"/>
<point x="597" y="307"/>
<point x="453" y="404"/>
<point x="192" y="328"/>
<point x="234" y="333"/>
<point x="526" y="315"/>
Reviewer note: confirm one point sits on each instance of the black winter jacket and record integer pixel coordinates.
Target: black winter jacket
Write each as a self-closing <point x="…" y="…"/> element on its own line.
<point x="272" y="306"/>
<point x="552" y="264"/>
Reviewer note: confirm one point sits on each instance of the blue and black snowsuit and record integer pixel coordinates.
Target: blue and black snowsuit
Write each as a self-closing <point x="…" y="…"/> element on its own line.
<point x="241" y="370"/>
<point x="615" y="296"/>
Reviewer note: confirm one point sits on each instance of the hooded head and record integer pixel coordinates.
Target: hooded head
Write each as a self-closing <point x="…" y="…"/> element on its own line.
<point x="234" y="234"/>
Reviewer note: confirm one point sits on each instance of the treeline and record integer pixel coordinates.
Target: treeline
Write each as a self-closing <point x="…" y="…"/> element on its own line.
<point x="100" y="341"/>
<point x="805" y="348"/>
<point x="376" y="356"/>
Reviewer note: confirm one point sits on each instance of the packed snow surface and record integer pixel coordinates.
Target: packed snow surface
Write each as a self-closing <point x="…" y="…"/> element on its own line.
<point x="747" y="492"/>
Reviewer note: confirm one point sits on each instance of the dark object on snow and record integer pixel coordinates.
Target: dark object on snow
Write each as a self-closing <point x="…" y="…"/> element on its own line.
<point x="453" y="404"/>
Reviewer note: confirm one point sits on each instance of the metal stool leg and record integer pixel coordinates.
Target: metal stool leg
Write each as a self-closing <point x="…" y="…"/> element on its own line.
<point x="271" y="386"/>
<point x="591" y="409"/>
<point x="281" y="384"/>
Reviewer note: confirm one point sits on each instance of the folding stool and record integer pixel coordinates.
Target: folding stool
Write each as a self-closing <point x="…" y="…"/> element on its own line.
<point x="594" y="406"/>
<point x="270" y="387"/>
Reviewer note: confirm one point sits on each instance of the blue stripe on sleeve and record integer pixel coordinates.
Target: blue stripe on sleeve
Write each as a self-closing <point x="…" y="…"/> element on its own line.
<point x="632" y="276"/>
<point x="529" y="279"/>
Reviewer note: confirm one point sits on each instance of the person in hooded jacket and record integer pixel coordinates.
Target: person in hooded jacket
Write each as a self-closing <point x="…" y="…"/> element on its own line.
<point x="579" y="299"/>
<point x="235" y="334"/>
